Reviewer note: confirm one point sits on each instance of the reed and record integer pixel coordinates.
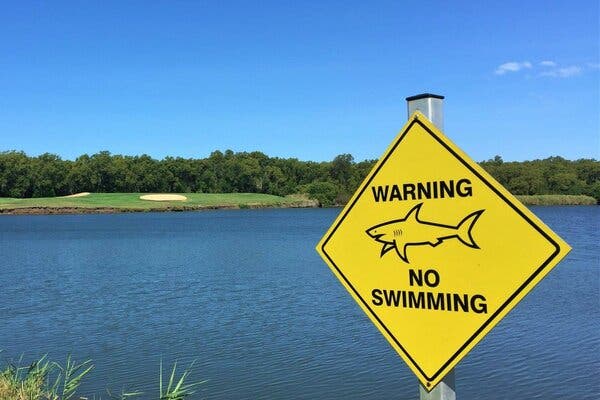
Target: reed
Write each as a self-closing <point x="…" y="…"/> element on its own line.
<point x="48" y="380"/>
<point x="42" y="379"/>
<point x="557" y="200"/>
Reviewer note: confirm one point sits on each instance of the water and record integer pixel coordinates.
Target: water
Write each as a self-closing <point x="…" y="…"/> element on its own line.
<point x="245" y="295"/>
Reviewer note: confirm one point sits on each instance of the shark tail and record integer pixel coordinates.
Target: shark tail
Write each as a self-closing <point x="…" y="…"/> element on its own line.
<point x="464" y="229"/>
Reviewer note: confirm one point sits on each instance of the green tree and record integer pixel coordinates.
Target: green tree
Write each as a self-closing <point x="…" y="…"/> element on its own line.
<point x="48" y="176"/>
<point x="341" y="169"/>
<point x="324" y="192"/>
<point x="15" y="174"/>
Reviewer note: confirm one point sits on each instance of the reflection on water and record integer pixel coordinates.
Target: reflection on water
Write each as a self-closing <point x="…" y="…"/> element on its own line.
<point x="245" y="295"/>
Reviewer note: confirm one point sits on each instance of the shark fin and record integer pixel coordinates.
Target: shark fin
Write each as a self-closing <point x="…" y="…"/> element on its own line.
<point x="402" y="253"/>
<point x="464" y="229"/>
<point x="387" y="247"/>
<point x="414" y="212"/>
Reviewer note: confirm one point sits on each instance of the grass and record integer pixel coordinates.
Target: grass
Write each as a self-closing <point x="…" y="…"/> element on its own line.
<point x="557" y="200"/>
<point x="122" y="202"/>
<point x="132" y="202"/>
<point x="49" y="380"/>
<point x="43" y="380"/>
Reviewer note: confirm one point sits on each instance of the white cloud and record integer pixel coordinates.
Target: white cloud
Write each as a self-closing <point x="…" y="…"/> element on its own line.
<point x="565" y="72"/>
<point x="512" y="66"/>
<point x="547" y="68"/>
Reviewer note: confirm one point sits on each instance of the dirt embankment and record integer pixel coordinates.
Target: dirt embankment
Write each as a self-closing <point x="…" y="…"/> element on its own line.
<point x="115" y="210"/>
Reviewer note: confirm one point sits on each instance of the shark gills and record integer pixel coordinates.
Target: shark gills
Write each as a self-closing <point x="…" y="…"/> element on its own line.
<point x="399" y="234"/>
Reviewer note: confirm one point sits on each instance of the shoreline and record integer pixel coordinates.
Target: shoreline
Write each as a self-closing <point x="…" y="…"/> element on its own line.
<point x="113" y="203"/>
<point x="115" y="210"/>
<point x="100" y="208"/>
<point x="118" y="210"/>
<point x="557" y="200"/>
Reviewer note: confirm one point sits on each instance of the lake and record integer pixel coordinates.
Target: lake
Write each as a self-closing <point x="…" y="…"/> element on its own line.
<point x="244" y="294"/>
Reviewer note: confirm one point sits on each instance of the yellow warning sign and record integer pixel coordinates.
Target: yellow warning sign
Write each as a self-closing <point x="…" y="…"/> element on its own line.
<point x="435" y="251"/>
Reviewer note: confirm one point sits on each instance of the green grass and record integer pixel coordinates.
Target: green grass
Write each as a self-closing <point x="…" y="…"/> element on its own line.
<point x="557" y="200"/>
<point x="49" y="380"/>
<point x="132" y="202"/>
<point x="99" y="202"/>
<point x="43" y="380"/>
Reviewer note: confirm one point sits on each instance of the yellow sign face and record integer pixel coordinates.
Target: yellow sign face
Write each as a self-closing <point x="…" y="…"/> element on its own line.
<point x="435" y="251"/>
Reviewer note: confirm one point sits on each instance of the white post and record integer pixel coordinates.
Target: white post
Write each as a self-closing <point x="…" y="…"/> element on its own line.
<point x="443" y="391"/>
<point x="431" y="105"/>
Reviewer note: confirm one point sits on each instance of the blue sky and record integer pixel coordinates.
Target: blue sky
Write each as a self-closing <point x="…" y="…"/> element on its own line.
<point x="297" y="79"/>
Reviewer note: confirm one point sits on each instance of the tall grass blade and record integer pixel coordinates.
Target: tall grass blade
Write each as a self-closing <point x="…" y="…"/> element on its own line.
<point x="73" y="374"/>
<point x="177" y="389"/>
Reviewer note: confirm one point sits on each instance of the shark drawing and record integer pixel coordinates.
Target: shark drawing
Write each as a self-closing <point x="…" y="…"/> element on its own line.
<point x="399" y="234"/>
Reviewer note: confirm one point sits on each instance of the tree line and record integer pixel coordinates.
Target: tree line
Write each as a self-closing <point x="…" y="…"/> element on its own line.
<point x="330" y="182"/>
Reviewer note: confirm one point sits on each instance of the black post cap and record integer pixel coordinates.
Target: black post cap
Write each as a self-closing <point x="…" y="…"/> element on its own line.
<point x="424" y="96"/>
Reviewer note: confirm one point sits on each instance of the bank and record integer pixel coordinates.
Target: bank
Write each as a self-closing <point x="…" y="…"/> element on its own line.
<point x="105" y="203"/>
<point x="109" y="203"/>
<point x="557" y="200"/>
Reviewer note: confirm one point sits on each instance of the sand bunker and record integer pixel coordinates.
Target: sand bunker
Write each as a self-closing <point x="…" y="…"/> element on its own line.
<point x="78" y="194"/>
<point x="163" y="197"/>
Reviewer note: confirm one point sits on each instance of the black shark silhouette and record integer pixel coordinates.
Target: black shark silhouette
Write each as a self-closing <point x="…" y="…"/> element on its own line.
<point x="399" y="234"/>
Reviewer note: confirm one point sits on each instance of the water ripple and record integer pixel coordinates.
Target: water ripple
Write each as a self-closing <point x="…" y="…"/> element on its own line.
<point x="261" y="315"/>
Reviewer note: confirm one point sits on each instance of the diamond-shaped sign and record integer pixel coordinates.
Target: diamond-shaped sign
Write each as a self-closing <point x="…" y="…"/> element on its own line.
<point x="435" y="251"/>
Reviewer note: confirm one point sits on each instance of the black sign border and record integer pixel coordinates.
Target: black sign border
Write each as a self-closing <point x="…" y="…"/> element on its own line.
<point x="492" y="317"/>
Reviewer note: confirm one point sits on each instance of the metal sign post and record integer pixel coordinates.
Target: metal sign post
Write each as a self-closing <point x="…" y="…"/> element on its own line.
<point x="432" y="106"/>
<point x="443" y="391"/>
